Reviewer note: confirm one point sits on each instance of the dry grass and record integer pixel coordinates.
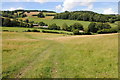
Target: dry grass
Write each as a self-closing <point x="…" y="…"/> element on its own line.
<point x="31" y="13"/>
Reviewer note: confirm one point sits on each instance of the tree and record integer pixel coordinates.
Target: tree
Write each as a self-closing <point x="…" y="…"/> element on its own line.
<point x="118" y="26"/>
<point x="42" y="24"/>
<point x="99" y="25"/>
<point x="106" y="26"/>
<point x="14" y="23"/>
<point x="1" y="22"/>
<point x="27" y="21"/>
<point x="86" y="16"/>
<point x="112" y="20"/>
<point x="30" y="25"/>
<point x="77" y="26"/>
<point x="75" y="31"/>
<point x="53" y="27"/>
<point x="7" y="22"/>
<point x="23" y="15"/>
<point x="64" y="27"/>
<point x="92" y="28"/>
<point x="41" y="15"/>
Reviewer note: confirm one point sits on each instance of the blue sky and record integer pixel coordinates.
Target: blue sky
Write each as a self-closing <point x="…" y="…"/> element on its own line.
<point x="99" y="7"/>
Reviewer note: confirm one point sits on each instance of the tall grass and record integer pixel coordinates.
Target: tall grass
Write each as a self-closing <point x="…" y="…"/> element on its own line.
<point x="43" y="55"/>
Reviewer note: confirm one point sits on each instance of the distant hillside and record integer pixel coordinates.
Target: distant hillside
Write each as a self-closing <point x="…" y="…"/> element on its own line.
<point x="27" y="13"/>
<point x="87" y="16"/>
<point x="35" y="11"/>
<point x="75" y="15"/>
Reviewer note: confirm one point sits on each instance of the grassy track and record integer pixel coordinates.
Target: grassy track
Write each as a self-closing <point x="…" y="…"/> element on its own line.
<point x="35" y="55"/>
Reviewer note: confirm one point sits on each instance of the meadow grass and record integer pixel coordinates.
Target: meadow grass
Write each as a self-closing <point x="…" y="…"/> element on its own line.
<point x="46" y="55"/>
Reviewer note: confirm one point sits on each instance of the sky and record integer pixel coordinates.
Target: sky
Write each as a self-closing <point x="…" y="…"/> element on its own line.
<point x="64" y="5"/>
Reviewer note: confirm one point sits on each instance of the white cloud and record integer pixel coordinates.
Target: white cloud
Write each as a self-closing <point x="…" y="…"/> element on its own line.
<point x="12" y="9"/>
<point x="109" y="11"/>
<point x="58" y="7"/>
<point x="40" y="1"/>
<point x="70" y="4"/>
<point x="57" y="0"/>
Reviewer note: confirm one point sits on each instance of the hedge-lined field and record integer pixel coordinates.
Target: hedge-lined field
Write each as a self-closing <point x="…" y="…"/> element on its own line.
<point x="20" y="29"/>
<point x="60" y="22"/>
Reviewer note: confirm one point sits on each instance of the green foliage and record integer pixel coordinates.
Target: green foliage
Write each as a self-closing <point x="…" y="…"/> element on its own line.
<point x="85" y="16"/>
<point x="53" y="27"/>
<point x="112" y="20"/>
<point x="99" y="26"/>
<point x="23" y="15"/>
<point x="118" y="26"/>
<point x="106" y="26"/>
<point x="76" y="32"/>
<point x="103" y="31"/>
<point x="77" y="26"/>
<point x="13" y="14"/>
<point x="6" y="22"/>
<point x="41" y="15"/>
<point x="27" y="21"/>
<point x="34" y="30"/>
<point x="92" y="28"/>
<point x="15" y="23"/>
<point x="64" y="27"/>
<point x="42" y="24"/>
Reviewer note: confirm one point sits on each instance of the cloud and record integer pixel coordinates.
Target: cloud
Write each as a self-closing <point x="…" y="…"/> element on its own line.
<point x="70" y="4"/>
<point x="40" y="1"/>
<point x="12" y="9"/>
<point x="58" y="7"/>
<point x="109" y="11"/>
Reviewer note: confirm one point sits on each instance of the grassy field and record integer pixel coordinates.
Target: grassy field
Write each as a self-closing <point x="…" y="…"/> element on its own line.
<point x="59" y="22"/>
<point x="43" y="55"/>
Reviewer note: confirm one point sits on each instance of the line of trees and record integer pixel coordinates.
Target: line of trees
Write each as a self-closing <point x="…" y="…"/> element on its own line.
<point x="16" y="23"/>
<point x="20" y="13"/>
<point x="93" y="27"/>
<point x="101" y="28"/>
<point x="13" y="14"/>
<point x="87" y="16"/>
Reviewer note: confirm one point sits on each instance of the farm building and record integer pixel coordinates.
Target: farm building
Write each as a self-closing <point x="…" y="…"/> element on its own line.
<point x="81" y="30"/>
<point x="36" y="25"/>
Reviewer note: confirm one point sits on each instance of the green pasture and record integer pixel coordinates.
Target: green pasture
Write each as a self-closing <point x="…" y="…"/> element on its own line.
<point x="46" y="55"/>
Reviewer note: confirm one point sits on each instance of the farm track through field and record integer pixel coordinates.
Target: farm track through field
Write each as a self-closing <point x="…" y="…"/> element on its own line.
<point x="34" y="61"/>
<point x="51" y="57"/>
<point x="45" y="54"/>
